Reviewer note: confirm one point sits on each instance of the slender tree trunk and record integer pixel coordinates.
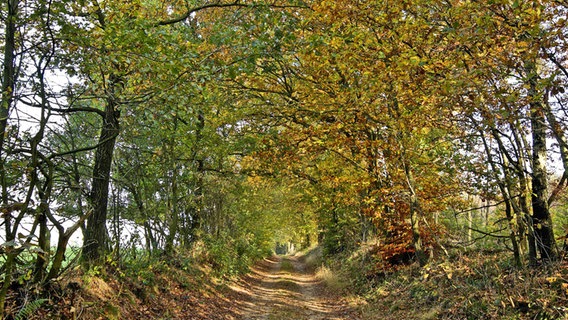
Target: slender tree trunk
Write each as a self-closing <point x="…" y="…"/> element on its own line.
<point x="8" y="72"/>
<point x="512" y="209"/>
<point x="174" y="215"/>
<point x="542" y="221"/>
<point x="416" y="237"/>
<point x="8" y="80"/>
<point x="558" y="131"/>
<point x="525" y="219"/>
<point x="8" y="268"/>
<point x="526" y="230"/>
<point x="95" y="238"/>
<point x="512" y="233"/>
<point x="196" y="215"/>
<point x="469" y="226"/>
<point x="43" y="244"/>
<point x="173" y="225"/>
<point x="151" y="243"/>
<point x="415" y="215"/>
<point x="76" y="175"/>
<point x="505" y="187"/>
<point x="531" y="240"/>
<point x="116" y="223"/>
<point x="59" y="257"/>
<point x="63" y="240"/>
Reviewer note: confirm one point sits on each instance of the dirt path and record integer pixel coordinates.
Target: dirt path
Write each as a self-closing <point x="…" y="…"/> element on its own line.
<point x="283" y="288"/>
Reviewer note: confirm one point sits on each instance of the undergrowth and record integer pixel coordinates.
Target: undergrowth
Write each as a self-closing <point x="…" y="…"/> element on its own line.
<point x="461" y="286"/>
<point x="141" y="285"/>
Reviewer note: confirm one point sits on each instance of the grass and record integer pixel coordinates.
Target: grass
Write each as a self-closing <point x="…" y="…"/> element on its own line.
<point x="331" y="279"/>
<point x="473" y="286"/>
<point x="312" y="257"/>
<point x="71" y="253"/>
<point x="287" y="266"/>
<point x="463" y="285"/>
<point x="143" y="288"/>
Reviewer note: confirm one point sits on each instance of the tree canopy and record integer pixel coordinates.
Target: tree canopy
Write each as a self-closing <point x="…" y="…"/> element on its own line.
<point x="243" y="125"/>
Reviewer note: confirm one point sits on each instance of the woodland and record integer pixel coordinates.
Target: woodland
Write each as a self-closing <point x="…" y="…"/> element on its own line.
<point x="411" y="142"/>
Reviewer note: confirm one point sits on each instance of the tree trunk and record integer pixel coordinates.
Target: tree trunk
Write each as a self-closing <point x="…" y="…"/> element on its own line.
<point x="59" y="257"/>
<point x="43" y="244"/>
<point x="173" y="205"/>
<point x="505" y="187"/>
<point x="512" y="233"/>
<point x="151" y="243"/>
<point x="8" y="80"/>
<point x="542" y="221"/>
<point x="196" y="215"/>
<point x="64" y="236"/>
<point x="469" y="221"/>
<point x="8" y="72"/>
<point x="174" y="215"/>
<point x="526" y="231"/>
<point x="95" y="238"/>
<point x="512" y="209"/>
<point x="416" y="237"/>
<point x="560" y="136"/>
<point x="415" y="215"/>
<point x="116" y="223"/>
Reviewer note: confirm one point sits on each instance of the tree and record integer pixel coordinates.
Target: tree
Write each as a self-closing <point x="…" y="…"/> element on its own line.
<point x="8" y="81"/>
<point x="501" y="66"/>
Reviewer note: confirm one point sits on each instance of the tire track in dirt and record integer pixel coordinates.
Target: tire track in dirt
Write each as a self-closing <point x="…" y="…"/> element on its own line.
<point x="283" y="288"/>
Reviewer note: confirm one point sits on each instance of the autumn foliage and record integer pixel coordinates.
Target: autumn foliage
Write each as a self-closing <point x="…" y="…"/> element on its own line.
<point x="417" y="125"/>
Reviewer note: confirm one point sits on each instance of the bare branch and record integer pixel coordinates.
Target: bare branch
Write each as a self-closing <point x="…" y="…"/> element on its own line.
<point x="236" y="3"/>
<point x="82" y="149"/>
<point x="189" y="12"/>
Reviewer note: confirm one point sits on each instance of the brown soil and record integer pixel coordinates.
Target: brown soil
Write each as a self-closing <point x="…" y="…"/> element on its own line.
<point x="284" y="288"/>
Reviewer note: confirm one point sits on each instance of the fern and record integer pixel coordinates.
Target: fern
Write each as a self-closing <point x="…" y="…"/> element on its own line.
<point x="29" y="308"/>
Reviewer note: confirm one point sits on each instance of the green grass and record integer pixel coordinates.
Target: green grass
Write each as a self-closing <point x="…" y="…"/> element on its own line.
<point x="287" y="266"/>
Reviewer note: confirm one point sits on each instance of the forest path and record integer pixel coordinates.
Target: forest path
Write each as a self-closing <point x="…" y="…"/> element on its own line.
<point x="284" y="288"/>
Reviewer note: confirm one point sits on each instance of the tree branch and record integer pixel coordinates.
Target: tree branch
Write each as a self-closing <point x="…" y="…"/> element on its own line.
<point x="54" y="155"/>
<point x="78" y="109"/>
<point x="235" y="3"/>
<point x="189" y="12"/>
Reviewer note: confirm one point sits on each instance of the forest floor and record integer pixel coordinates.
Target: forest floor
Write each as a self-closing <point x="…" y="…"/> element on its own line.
<point x="300" y="287"/>
<point x="286" y="288"/>
<point x="279" y="287"/>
